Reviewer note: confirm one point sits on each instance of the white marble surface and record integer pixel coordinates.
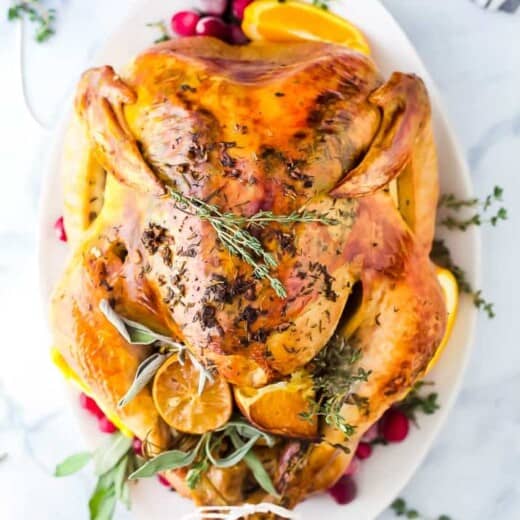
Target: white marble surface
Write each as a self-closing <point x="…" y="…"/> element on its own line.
<point x="473" y="470"/>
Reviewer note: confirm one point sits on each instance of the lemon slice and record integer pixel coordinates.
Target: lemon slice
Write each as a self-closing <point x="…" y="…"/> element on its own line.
<point x="175" y="394"/>
<point x="450" y="290"/>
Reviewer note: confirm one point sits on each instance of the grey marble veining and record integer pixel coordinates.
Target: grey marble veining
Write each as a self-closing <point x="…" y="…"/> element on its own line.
<point x="473" y="470"/>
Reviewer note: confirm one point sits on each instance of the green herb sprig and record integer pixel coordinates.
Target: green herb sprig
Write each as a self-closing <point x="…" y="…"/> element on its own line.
<point x="441" y="255"/>
<point x="233" y="232"/>
<point x="42" y="17"/>
<point x="401" y="508"/>
<point x="323" y="4"/>
<point x="138" y="334"/>
<point x="238" y="435"/>
<point x="333" y="379"/>
<point x="415" y="402"/>
<point x="160" y="25"/>
<point x="452" y="202"/>
<point x="113" y="463"/>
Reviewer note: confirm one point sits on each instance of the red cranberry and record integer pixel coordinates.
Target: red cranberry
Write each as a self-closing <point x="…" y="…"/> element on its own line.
<point x="371" y="434"/>
<point x="137" y="446"/>
<point x="344" y="490"/>
<point x="163" y="480"/>
<point x="363" y="451"/>
<point x="239" y="7"/>
<point x="183" y="23"/>
<point x="212" y="26"/>
<point x="237" y="36"/>
<point x="353" y="467"/>
<point x="59" y="227"/>
<point x="106" y="426"/>
<point x="214" y="7"/>
<point x="394" y="425"/>
<point x="87" y="403"/>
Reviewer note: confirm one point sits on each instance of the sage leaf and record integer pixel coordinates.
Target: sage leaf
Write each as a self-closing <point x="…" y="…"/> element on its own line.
<point x="144" y="374"/>
<point x="102" y="503"/>
<point x="256" y="467"/>
<point x="247" y="431"/>
<point x="72" y="464"/>
<point x="119" y="476"/>
<point x="235" y="457"/>
<point x="167" y="460"/>
<point x="125" y="495"/>
<point x="107" y="456"/>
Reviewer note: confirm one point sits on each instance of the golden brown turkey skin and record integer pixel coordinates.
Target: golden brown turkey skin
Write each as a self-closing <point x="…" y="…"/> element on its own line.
<point x="259" y="127"/>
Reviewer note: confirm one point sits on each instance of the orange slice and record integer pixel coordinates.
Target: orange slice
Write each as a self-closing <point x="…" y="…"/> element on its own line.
<point x="450" y="289"/>
<point x="175" y="394"/>
<point x="291" y="20"/>
<point x="276" y="408"/>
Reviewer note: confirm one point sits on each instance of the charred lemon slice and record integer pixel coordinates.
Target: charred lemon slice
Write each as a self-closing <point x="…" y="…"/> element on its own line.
<point x="291" y="20"/>
<point x="278" y="408"/>
<point x="175" y="394"/>
<point x="450" y="289"/>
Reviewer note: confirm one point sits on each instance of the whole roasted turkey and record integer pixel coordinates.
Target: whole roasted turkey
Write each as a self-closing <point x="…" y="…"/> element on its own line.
<point x="263" y="127"/>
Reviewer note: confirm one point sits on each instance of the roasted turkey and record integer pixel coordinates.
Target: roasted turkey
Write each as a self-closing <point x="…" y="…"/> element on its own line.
<point x="259" y="128"/>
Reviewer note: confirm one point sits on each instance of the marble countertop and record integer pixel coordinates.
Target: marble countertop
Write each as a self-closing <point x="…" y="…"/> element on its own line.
<point x="473" y="470"/>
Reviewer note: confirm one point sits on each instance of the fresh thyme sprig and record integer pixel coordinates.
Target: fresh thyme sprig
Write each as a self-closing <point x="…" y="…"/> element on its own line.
<point x="401" y="508"/>
<point x="334" y="378"/>
<point x="34" y="10"/>
<point x="440" y="254"/>
<point x="451" y="202"/>
<point x="233" y="232"/>
<point x="415" y="402"/>
<point x="160" y="25"/>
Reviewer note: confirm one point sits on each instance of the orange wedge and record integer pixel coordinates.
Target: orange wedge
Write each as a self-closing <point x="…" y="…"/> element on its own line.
<point x="175" y="394"/>
<point x="450" y="289"/>
<point x="291" y="20"/>
<point x="276" y="408"/>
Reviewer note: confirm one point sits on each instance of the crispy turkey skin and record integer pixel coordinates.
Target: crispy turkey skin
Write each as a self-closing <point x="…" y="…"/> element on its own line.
<point x="263" y="127"/>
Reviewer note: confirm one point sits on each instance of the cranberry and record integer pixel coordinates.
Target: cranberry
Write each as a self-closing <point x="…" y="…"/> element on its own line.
<point x="371" y="434"/>
<point x="59" y="227"/>
<point x="214" y="7"/>
<point x="353" y="467"/>
<point x="137" y="446"/>
<point x="237" y="36"/>
<point x="106" y="426"/>
<point x="239" y="7"/>
<point x="183" y="23"/>
<point x="394" y="425"/>
<point x="87" y="403"/>
<point x="212" y="26"/>
<point x="363" y="451"/>
<point x="163" y="480"/>
<point x="344" y="490"/>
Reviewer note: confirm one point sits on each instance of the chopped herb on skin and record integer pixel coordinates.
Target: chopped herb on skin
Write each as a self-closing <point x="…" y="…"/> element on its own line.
<point x="233" y="232"/>
<point x="163" y="31"/>
<point x="440" y="254"/>
<point x="451" y="202"/>
<point x="35" y="12"/>
<point x="334" y="378"/>
<point x="401" y="508"/>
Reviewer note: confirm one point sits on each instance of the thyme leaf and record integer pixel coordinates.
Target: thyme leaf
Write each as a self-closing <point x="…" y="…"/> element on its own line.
<point x="401" y="508"/>
<point x="35" y="12"/>
<point x="441" y="255"/>
<point x="415" y="402"/>
<point x="233" y="232"/>
<point x="452" y="202"/>
<point x="334" y="378"/>
<point x="160" y="25"/>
